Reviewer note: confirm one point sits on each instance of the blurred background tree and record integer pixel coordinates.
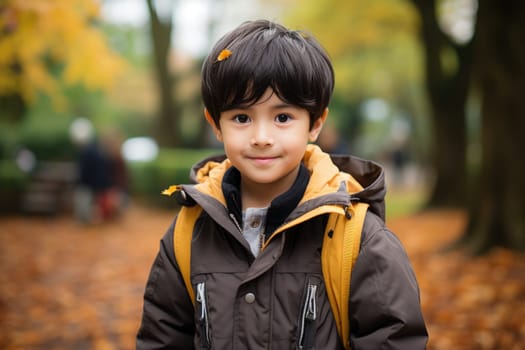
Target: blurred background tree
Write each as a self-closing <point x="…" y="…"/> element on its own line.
<point x="46" y="45"/>
<point x="448" y="63"/>
<point x="484" y="65"/>
<point x="497" y="205"/>
<point x="167" y="131"/>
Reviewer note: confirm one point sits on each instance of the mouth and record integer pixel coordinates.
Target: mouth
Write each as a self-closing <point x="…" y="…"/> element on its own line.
<point x="262" y="159"/>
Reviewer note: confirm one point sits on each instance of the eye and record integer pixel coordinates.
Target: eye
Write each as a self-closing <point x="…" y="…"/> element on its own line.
<point x="241" y="118"/>
<point x="282" y="118"/>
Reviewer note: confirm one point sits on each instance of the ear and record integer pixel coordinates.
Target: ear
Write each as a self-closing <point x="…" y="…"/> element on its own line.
<point x="317" y="126"/>
<point x="210" y="121"/>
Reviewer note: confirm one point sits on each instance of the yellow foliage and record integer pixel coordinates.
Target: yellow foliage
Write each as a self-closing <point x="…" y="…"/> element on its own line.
<point x="38" y="35"/>
<point x="347" y="24"/>
<point x="363" y="39"/>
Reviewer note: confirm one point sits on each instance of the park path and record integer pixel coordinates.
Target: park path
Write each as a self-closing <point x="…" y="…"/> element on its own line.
<point x="67" y="286"/>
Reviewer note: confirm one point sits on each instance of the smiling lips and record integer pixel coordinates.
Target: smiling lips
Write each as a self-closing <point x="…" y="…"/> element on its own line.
<point x="262" y="160"/>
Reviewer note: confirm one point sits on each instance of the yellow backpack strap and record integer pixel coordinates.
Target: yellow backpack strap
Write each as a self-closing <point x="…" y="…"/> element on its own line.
<point x="340" y="250"/>
<point x="182" y="235"/>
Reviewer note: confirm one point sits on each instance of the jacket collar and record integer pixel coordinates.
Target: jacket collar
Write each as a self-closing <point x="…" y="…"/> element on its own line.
<point x="280" y="207"/>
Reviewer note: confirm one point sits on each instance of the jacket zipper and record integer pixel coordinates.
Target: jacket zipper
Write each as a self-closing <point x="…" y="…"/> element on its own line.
<point x="308" y="317"/>
<point x="203" y="317"/>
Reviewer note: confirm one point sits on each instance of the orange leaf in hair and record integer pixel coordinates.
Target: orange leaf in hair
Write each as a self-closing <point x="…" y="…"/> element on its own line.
<point x="224" y="55"/>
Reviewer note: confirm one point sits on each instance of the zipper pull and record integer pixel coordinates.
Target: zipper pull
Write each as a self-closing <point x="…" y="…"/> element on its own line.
<point x="308" y="317"/>
<point x="311" y="305"/>
<point x="203" y="318"/>
<point x="235" y="221"/>
<point x="201" y="299"/>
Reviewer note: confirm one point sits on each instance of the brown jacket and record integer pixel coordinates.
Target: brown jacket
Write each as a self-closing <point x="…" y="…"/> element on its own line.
<point x="278" y="300"/>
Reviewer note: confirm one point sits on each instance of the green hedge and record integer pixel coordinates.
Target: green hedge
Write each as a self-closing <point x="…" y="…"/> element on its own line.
<point x="51" y="143"/>
<point x="11" y="177"/>
<point x="171" y="167"/>
<point x="12" y="183"/>
<point x="47" y="138"/>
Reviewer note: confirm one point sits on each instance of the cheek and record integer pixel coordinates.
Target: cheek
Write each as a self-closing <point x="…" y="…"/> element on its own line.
<point x="233" y="144"/>
<point x="309" y="135"/>
<point x="296" y="143"/>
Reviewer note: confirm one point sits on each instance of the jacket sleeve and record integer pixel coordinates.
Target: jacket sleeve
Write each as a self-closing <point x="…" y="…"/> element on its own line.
<point x="167" y="317"/>
<point x="385" y="311"/>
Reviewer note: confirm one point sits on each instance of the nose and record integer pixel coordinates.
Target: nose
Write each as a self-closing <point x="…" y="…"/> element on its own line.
<point x="262" y="135"/>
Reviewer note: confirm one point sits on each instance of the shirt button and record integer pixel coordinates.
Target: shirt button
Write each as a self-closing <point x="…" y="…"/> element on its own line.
<point x="256" y="222"/>
<point x="249" y="298"/>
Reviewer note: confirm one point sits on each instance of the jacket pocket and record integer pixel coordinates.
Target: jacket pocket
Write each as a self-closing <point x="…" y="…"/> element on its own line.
<point x="202" y="315"/>
<point x="308" y="316"/>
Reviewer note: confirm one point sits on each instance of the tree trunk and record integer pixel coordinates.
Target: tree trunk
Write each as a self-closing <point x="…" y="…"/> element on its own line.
<point x="167" y="127"/>
<point x="497" y="216"/>
<point x="447" y="92"/>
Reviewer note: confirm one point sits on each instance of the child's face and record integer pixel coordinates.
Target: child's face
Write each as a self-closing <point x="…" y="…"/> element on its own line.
<point x="266" y="141"/>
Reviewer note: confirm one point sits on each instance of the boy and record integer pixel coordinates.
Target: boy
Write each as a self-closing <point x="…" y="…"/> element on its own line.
<point x="266" y="91"/>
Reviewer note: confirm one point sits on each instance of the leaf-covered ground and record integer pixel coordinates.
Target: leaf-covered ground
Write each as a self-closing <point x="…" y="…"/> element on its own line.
<point x="66" y="286"/>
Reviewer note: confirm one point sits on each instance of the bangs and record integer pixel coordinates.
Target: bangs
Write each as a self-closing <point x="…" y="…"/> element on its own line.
<point x="276" y="64"/>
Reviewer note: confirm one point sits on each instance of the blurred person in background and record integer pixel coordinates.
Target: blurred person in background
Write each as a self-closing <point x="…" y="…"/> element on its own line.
<point x="117" y="195"/>
<point x="102" y="177"/>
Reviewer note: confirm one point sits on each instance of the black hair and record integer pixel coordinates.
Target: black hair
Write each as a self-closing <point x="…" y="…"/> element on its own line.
<point x="266" y="55"/>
